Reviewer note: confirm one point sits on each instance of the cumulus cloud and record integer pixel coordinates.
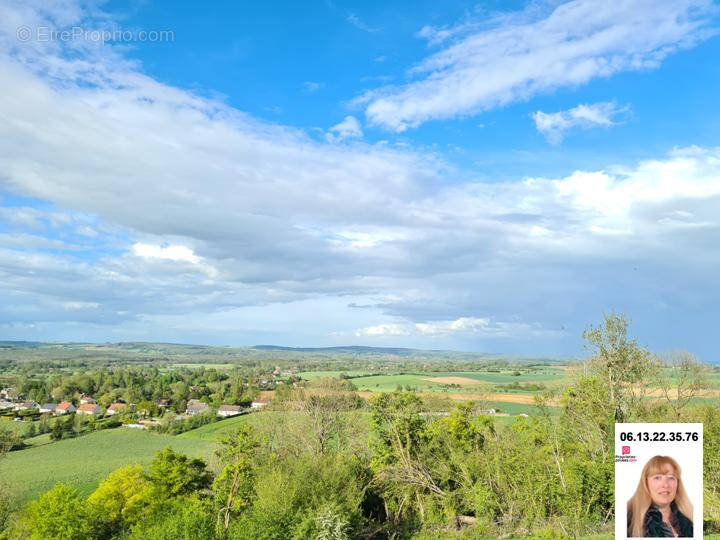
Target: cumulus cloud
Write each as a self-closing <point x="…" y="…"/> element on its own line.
<point x="349" y="128"/>
<point x="586" y="116"/>
<point x="463" y="326"/>
<point x="384" y="330"/>
<point x="516" y="56"/>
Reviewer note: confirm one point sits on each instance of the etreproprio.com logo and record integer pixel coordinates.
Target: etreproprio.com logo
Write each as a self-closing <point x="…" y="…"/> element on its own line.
<point x="78" y="33"/>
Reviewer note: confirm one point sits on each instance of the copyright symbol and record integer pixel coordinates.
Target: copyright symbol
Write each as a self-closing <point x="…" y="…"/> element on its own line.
<point x="24" y="33"/>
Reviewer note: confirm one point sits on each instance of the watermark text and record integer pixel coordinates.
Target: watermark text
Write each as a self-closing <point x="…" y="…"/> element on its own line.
<point x="78" y="33"/>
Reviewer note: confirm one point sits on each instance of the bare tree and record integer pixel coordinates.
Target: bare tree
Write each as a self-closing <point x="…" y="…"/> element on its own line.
<point x="682" y="379"/>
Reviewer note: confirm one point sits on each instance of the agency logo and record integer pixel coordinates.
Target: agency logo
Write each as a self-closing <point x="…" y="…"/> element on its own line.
<point x="625" y="456"/>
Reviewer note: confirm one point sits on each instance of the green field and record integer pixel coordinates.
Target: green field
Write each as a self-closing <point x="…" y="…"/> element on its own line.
<point x="217" y="430"/>
<point x="310" y="375"/>
<point x="84" y="461"/>
<point x="485" y="379"/>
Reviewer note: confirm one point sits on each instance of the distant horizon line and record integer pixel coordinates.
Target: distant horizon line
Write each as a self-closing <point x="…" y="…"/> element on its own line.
<point x="284" y="347"/>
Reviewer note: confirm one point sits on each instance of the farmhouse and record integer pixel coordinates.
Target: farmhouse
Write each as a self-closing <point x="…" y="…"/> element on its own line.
<point x="260" y="403"/>
<point x="229" y="410"/>
<point x="195" y="406"/>
<point x="89" y="408"/>
<point x="84" y="398"/>
<point x="65" y="407"/>
<point x="48" y="407"/>
<point x="26" y="406"/>
<point x="115" y="408"/>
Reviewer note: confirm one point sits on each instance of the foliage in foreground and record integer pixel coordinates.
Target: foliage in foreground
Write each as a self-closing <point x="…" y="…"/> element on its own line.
<point x="326" y="476"/>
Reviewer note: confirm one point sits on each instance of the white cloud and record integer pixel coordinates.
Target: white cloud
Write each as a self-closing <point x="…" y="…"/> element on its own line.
<point x="81" y="305"/>
<point x="312" y="86"/>
<point x="463" y="324"/>
<point x="483" y="327"/>
<point x="383" y="330"/>
<point x="349" y="128"/>
<point x="554" y="125"/>
<point x="360" y="24"/>
<point x="172" y="253"/>
<point x="201" y="210"/>
<point x="514" y="57"/>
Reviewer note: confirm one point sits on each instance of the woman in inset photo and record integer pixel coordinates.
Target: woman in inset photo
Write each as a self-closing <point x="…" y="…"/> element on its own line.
<point x="660" y="507"/>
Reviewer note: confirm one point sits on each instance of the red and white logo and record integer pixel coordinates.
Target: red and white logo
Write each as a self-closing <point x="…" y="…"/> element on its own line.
<point x="625" y="450"/>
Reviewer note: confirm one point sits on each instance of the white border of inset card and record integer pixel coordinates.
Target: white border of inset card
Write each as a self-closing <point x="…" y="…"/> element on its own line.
<point x="635" y="444"/>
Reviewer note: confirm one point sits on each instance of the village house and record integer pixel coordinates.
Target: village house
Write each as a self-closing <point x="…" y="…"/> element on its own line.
<point x="48" y="407"/>
<point x="6" y="405"/>
<point x="26" y="406"/>
<point x="84" y="398"/>
<point x="229" y="410"/>
<point x="195" y="406"/>
<point x="89" y="408"/>
<point x="65" y="407"/>
<point x="115" y="408"/>
<point x="260" y="403"/>
<point x="7" y="393"/>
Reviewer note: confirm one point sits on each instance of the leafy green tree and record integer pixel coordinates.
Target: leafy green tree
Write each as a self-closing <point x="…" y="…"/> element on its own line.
<point x="234" y="486"/>
<point x="8" y="439"/>
<point x="185" y="518"/>
<point x="176" y="474"/>
<point x="621" y="363"/>
<point x="146" y="408"/>
<point x="120" y="501"/>
<point x="59" y="514"/>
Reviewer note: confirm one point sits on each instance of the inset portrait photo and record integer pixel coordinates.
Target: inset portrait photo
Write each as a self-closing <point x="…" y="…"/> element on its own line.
<point x="658" y="481"/>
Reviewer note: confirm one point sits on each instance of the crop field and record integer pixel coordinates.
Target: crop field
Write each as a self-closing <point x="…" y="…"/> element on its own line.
<point x="310" y="375"/>
<point x="504" y="390"/>
<point x="83" y="461"/>
<point x="217" y="430"/>
<point x="439" y="380"/>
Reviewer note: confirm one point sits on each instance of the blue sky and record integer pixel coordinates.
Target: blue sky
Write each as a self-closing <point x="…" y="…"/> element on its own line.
<point x="462" y="175"/>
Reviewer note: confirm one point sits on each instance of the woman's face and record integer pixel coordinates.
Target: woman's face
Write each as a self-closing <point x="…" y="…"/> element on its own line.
<point x="663" y="486"/>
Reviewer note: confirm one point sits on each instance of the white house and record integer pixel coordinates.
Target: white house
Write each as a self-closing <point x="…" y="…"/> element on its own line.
<point x="89" y="408"/>
<point x="195" y="406"/>
<point x="65" y="407"/>
<point x="229" y="410"/>
<point x="48" y="407"/>
<point x="26" y="406"/>
<point x="260" y="403"/>
<point x="115" y="408"/>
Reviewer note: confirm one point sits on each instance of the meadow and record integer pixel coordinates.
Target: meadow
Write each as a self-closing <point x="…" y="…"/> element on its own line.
<point x="217" y="431"/>
<point x="84" y="461"/>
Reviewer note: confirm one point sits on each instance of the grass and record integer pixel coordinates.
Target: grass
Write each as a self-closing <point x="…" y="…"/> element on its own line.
<point x="83" y="461"/>
<point x="217" y="430"/>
